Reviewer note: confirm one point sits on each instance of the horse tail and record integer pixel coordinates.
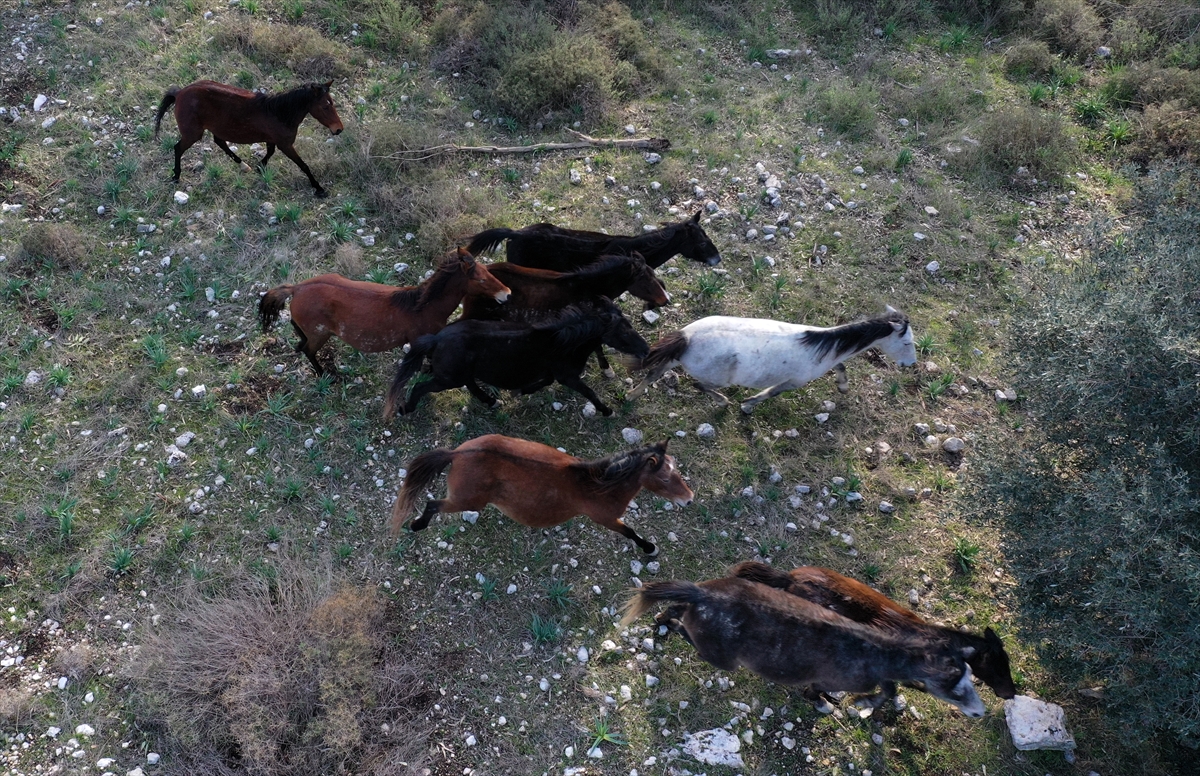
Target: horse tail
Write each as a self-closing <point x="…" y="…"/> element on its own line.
<point x="488" y="241"/>
<point x="675" y="592"/>
<point x="665" y="352"/>
<point x="167" y="101"/>
<point x="408" y="367"/>
<point x="421" y="472"/>
<point x="271" y="304"/>
<point x="762" y="574"/>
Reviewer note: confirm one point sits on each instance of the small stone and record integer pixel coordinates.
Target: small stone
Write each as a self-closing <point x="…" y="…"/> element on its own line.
<point x="181" y="198"/>
<point x="930" y="210"/>
<point x="821" y="417"/>
<point x="922" y="429"/>
<point x="137" y="771"/>
<point x="146" y="228"/>
<point x="589" y="410"/>
<point x="788" y="743"/>
<point x="470" y="516"/>
<point x="652" y="158"/>
<point x="104" y="762"/>
<point x="706" y="431"/>
<point x="85" y="730"/>
<point x="887" y="507"/>
<point x="651" y="681"/>
<point x="1104" y="52"/>
<point x="39" y="102"/>
<point x="859" y="170"/>
<point x="631" y="436"/>
<point x="635" y="567"/>
<point x="152" y="758"/>
<point x="575" y="177"/>
<point x="511" y="589"/>
<point x="33" y="378"/>
<point x="902" y="122"/>
<point x="630" y="129"/>
<point x="471" y="740"/>
<point x="582" y="655"/>
<point x="184" y="439"/>
<point x="954" y="445"/>
<point x="650" y="316"/>
<point x="933" y="266"/>
<point x="920" y="236"/>
<point x="544" y="685"/>
<point x="914" y="597"/>
<point x="199" y="391"/>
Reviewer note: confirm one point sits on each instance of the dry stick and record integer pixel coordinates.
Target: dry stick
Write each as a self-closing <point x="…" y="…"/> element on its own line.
<point x="652" y="144"/>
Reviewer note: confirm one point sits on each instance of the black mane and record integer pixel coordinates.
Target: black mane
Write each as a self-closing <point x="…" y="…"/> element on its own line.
<point x="604" y="265"/>
<point x="574" y="325"/>
<point x="615" y="469"/>
<point x="416" y="297"/>
<point x="853" y="337"/>
<point x="291" y="106"/>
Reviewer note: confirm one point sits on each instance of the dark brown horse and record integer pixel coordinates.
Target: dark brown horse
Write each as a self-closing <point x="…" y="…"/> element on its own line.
<point x="235" y="115"/>
<point x="784" y="638"/>
<point x="553" y="247"/>
<point x="538" y="486"/>
<point x="851" y="598"/>
<point x="373" y="317"/>
<point x="516" y="356"/>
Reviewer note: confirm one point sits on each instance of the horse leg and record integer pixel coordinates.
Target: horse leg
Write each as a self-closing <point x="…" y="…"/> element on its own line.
<point x="843" y="384"/>
<point x="535" y="386"/>
<point x="749" y="404"/>
<point x="309" y="346"/>
<point x="575" y="382"/>
<point x="713" y="392"/>
<point x="290" y="152"/>
<point x="867" y="704"/>
<point x="602" y="362"/>
<point x="228" y="151"/>
<point x="432" y="385"/>
<point x="431" y="509"/>
<point x="477" y="391"/>
<point x="629" y="533"/>
<point x="669" y="618"/>
<point x="270" y="150"/>
<point x="186" y="141"/>
<point x="650" y="377"/>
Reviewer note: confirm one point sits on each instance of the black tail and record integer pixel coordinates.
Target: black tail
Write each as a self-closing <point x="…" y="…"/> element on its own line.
<point x="675" y="592"/>
<point x="486" y="242"/>
<point x="408" y="367"/>
<point x="762" y="574"/>
<point x="167" y="101"/>
<point x="271" y="304"/>
<point x="665" y="351"/>
<point x="421" y="472"/>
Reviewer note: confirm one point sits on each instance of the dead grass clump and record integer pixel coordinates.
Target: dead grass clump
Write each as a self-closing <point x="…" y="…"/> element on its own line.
<point x="1071" y="25"/>
<point x="290" y="678"/>
<point x="850" y="110"/>
<point x="1022" y="136"/>
<point x="16" y="707"/>
<point x="59" y="245"/>
<point x="936" y="101"/>
<point x="301" y="49"/>
<point x="75" y="662"/>
<point x="348" y="260"/>
<point x="1170" y="129"/>
<point x="1029" y="59"/>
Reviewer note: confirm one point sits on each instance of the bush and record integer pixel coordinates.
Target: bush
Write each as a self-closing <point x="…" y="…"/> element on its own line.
<point x="1071" y="25"/>
<point x="850" y="110"/>
<point x="1102" y="510"/>
<point x="301" y="49"/>
<point x="1142" y="84"/>
<point x="936" y="101"/>
<point x="284" y="678"/>
<point x="1170" y="129"/>
<point x="59" y="245"/>
<point x="1029" y="59"/>
<point x="567" y="73"/>
<point x="1022" y="136"/>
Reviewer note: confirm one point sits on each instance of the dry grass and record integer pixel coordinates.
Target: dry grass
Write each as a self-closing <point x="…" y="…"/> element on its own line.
<point x="59" y="245"/>
<point x="302" y="50"/>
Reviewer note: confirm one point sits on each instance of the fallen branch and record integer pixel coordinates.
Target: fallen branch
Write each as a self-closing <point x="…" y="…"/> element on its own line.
<point x="585" y="141"/>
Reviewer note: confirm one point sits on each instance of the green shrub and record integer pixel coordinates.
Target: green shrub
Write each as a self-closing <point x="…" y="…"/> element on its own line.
<point x="1142" y="84"/>
<point x="1071" y="25"/>
<point x="301" y="49"/>
<point x="936" y="100"/>
<point x="284" y="676"/>
<point x="1101" y="511"/>
<point x="1029" y="59"/>
<point x="1022" y="136"/>
<point x="564" y="74"/>
<point x="850" y="110"/>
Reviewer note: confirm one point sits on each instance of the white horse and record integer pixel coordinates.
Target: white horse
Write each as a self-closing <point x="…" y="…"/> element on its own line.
<point x="720" y="351"/>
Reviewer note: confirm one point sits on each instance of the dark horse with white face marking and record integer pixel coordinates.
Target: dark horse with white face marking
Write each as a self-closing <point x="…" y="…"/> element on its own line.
<point x="540" y="486"/>
<point x="516" y="356"/>
<point x="851" y="598"/>
<point x="235" y="115"/>
<point x="547" y="246"/>
<point x="784" y="638"/>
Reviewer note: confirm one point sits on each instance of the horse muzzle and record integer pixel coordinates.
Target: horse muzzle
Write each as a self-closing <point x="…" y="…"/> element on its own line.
<point x="337" y="131"/>
<point x="713" y="260"/>
<point x="502" y="296"/>
<point x="682" y="502"/>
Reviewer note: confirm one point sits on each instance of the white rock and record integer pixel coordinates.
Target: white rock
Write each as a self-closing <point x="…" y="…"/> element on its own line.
<point x="471" y="740"/>
<point x="933" y="267"/>
<point x="635" y="567"/>
<point x="651" y="681"/>
<point x="85" y="730"/>
<point x="595" y="753"/>
<point x="582" y="655"/>
<point x="152" y="758"/>
<point x="902" y="122"/>
<point x="914" y="597"/>
<point x="1104" y="52"/>
<point x="198" y="391"/>
<point x="511" y="589"/>
<point x="714" y="747"/>
<point x="919" y="236"/>
<point x="922" y="429"/>
<point x="138" y="771"/>
<point x="544" y="684"/>
<point x="104" y="762"/>
<point x="859" y="170"/>
<point x="49" y="122"/>
<point x="589" y="410"/>
<point x="954" y="445"/>
<point x="652" y="158"/>
<point x="470" y="516"/>
<point x="575" y="177"/>
<point x="100" y="210"/>
<point x="184" y="439"/>
<point x="1036" y="724"/>
<point x="821" y="417"/>
<point x="706" y="431"/>
<point x="631" y="436"/>
<point x="33" y="378"/>
<point x="650" y="316"/>
<point x="39" y="102"/>
<point x="887" y="507"/>
<point x="788" y="743"/>
<point x="181" y="198"/>
<point x="853" y="496"/>
<point x="630" y="129"/>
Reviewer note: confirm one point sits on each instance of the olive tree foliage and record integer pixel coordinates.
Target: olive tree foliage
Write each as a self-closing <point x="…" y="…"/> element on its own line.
<point x="1100" y="511"/>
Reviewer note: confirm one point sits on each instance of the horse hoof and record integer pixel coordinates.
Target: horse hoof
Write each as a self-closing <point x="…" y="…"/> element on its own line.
<point x="321" y="193"/>
<point x="653" y="553"/>
<point x="609" y="373"/>
<point x="747" y="409"/>
<point x="824" y="707"/>
<point x="843" y="389"/>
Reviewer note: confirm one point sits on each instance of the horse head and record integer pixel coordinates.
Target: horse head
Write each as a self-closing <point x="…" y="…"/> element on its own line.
<point x="991" y="665"/>
<point x="646" y="285"/>
<point x="322" y="108"/>
<point x="661" y="477"/>
<point x="697" y="246"/>
<point x="899" y="346"/>
<point x="619" y="333"/>
<point x="480" y="281"/>
<point x="947" y="676"/>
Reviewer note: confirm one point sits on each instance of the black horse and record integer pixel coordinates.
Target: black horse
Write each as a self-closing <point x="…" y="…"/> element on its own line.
<point x="513" y="355"/>
<point x="547" y="246"/>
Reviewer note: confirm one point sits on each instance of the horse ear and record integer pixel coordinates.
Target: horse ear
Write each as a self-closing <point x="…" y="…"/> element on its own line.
<point x="328" y="85"/>
<point x="464" y="254"/>
<point x="662" y="446"/>
<point x="898" y="326"/>
<point x="696" y="217"/>
<point x="991" y="638"/>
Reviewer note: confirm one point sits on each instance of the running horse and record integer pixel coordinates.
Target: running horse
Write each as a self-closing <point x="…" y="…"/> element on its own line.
<point x="539" y="486"/>
<point x="373" y="317"/>
<point x="236" y="115"/>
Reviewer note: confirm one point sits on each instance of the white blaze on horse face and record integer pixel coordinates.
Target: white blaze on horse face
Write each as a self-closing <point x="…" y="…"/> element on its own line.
<point x="900" y="347"/>
<point x="966" y="698"/>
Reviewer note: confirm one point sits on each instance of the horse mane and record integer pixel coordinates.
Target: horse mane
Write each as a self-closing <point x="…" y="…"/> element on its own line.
<point x="602" y="265"/>
<point x="659" y="238"/>
<point x="416" y="297"/>
<point x="616" y="469"/>
<point x="573" y="324"/>
<point x="852" y="337"/>
<point x="285" y="106"/>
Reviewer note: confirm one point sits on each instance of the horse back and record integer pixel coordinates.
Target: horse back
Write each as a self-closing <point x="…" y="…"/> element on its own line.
<point x="547" y="246"/>
<point x="532" y="483"/>
<point x="849" y="598"/>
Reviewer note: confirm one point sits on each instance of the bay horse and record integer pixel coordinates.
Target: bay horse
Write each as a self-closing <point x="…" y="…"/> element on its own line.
<point x="514" y="355"/>
<point x="236" y="115"/>
<point x="547" y="246"/>
<point x="373" y="317"/>
<point x="851" y="598"/>
<point x="787" y="639"/>
<point x="539" y="486"/>
<point x="720" y="351"/>
<point x="543" y="290"/>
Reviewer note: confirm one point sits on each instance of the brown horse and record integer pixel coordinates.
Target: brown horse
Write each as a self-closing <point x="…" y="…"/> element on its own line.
<point x="373" y="317"/>
<point x="538" y="486"/>
<point x="787" y="639"/>
<point x="851" y="598"/>
<point x="235" y="115"/>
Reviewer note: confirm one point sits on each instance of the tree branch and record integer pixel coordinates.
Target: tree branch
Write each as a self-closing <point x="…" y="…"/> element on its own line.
<point x="585" y="141"/>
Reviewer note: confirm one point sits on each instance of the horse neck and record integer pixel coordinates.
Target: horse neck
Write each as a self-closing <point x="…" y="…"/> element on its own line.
<point x="296" y="109"/>
<point x="655" y="254"/>
<point x="833" y="358"/>
<point x="603" y="283"/>
<point x="439" y="308"/>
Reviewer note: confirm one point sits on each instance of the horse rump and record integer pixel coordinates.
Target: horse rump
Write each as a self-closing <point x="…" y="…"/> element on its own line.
<point x="271" y="304"/>
<point x="421" y="471"/>
<point x="417" y="352"/>
<point x="489" y="240"/>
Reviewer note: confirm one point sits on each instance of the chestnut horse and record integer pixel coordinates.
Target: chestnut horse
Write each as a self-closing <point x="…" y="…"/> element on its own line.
<point x="538" y="486"/>
<point x="373" y="317"/>
<point x="235" y="115"/>
<point x="554" y="247"/>
<point x="785" y="638"/>
<point x="851" y="598"/>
